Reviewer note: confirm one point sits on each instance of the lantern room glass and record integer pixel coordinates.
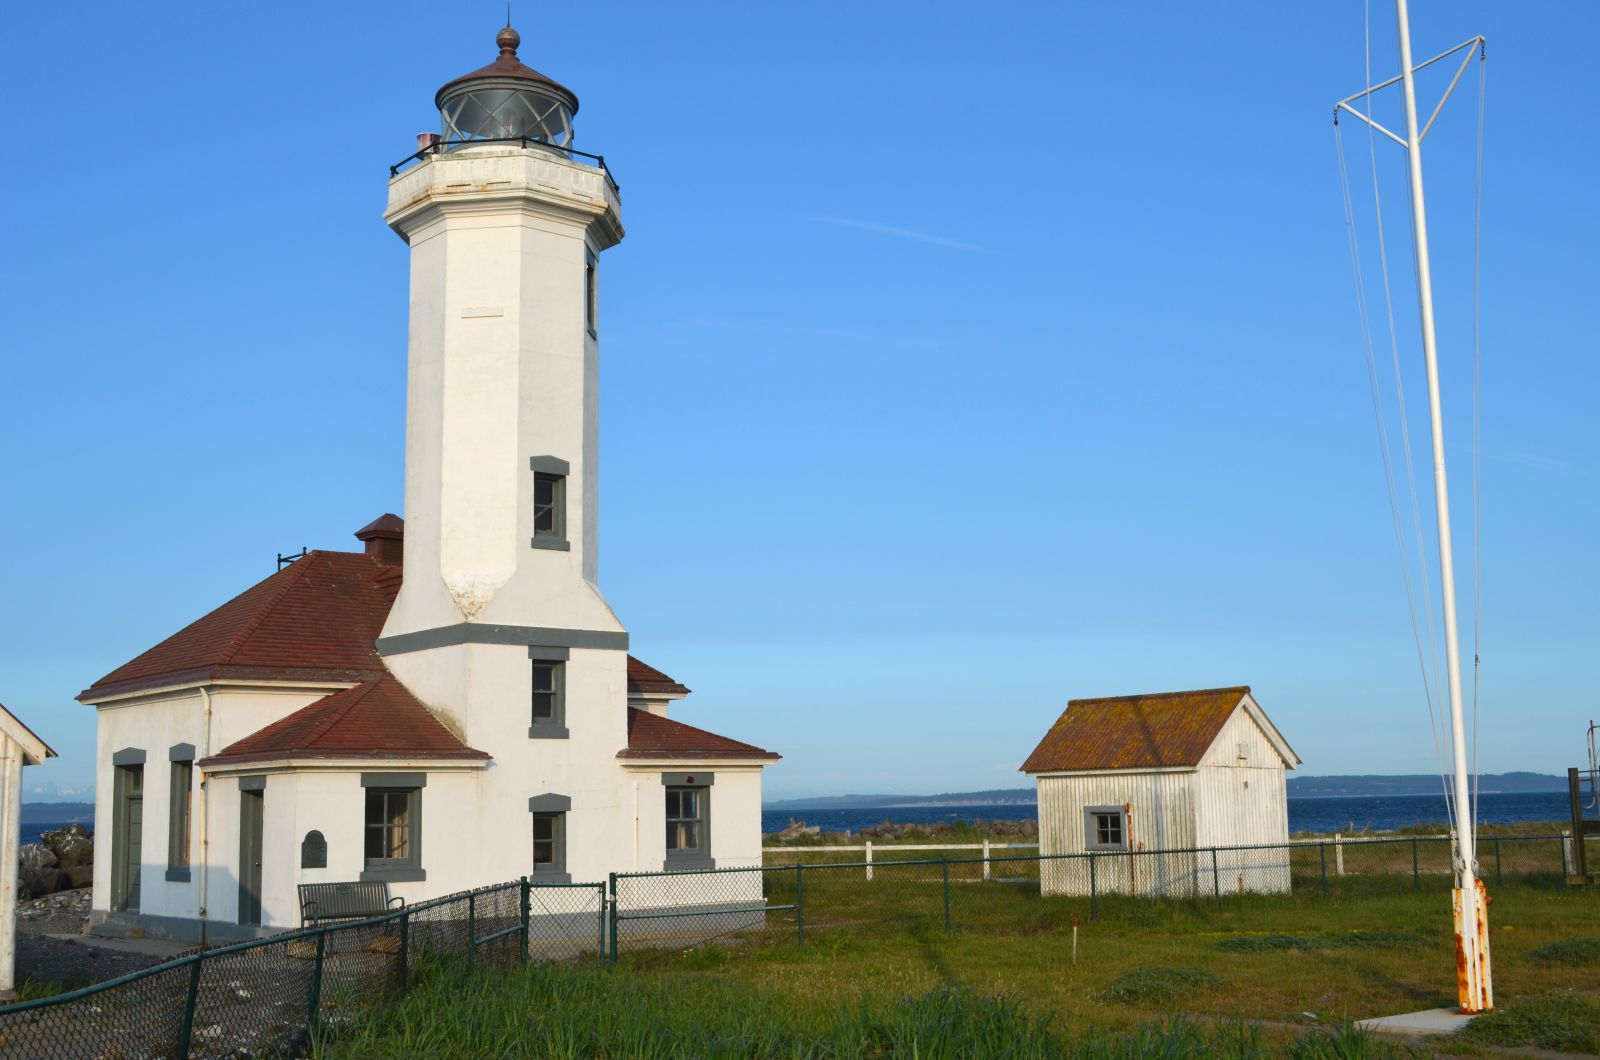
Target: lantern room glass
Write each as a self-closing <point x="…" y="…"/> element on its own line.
<point x="488" y="111"/>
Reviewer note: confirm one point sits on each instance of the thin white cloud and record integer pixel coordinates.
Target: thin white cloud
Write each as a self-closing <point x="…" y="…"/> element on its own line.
<point x="1544" y="463"/>
<point x="900" y="233"/>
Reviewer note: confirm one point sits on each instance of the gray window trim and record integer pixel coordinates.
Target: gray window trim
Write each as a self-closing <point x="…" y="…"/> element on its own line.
<point x="179" y="809"/>
<point x="128" y="756"/>
<point x="692" y="859"/>
<point x="688" y="780"/>
<point x="395" y="870"/>
<point x="1090" y="830"/>
<point x="394" y="780"/>
<point x="549" y="465"/>
<point x="558" y="873"/>
<point x="555" y="726"/>
<point x="178" y="876"/>
<point x="549" y="653"/>
<point x="492" y="633"/>
<point x="256" y="783"/>
<point x="181" y="752"/>
<point x="549" y="803"/>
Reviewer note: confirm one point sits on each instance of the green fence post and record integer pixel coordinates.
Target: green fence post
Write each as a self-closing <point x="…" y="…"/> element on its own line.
<point x="527" y="903"/>
<point x="472" y="927"/>
<point x="613" y="883"/>
<point x="1094" y="892"/>
<point x="405" y="949"/>
<point x="186" y="1029"/>
<point x="944" y="864"/>
<point x="314" y="1002"/>
<point x="1416" y="871"/>
<point x="799" y="904"/>
<point x="1497" y="861"/>
<point x="1322" y="856"/>
<point x="1216" y="878"/>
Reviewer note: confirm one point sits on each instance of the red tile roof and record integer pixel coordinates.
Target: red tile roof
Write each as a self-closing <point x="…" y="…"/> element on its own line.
<point x="317" y="619"/>
<point x="645" y="679"/>
<point x="654" y="736"/>
<point x="375" y="719"/>
<point x="1162" y="729"/>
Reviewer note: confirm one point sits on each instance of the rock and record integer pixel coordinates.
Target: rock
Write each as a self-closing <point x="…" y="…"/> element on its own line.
<point x="72" y="845"/>
<point x="797" y="830"/>
<point x="80" y="876"/>
<point x="36" y="883"/>
<point x="35" y="856"/>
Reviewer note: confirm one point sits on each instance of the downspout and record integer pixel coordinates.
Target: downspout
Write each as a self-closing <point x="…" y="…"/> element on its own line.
<point x="205" y="811"/>
<point x="635" y="826"/>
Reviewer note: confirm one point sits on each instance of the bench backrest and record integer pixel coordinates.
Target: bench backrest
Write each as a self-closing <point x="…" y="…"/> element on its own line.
<point x="335" y="901"/>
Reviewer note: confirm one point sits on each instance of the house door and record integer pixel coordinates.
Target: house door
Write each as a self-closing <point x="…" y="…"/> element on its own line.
<point x="251" y="804"/>
<point x="127" y="857"/>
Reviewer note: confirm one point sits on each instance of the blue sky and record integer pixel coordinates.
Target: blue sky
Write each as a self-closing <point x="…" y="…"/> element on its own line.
<point x="959" y="361"/>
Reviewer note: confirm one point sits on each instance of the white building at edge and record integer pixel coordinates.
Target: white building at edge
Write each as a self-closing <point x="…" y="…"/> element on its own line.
<point x="1169" y="771"/>
<point x="19" y="747"/>
<point x="479" y="718"/>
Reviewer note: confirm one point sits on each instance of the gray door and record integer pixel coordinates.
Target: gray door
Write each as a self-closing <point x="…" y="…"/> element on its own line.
<point x="129" y="837"/>
<point x="251" y="805"/>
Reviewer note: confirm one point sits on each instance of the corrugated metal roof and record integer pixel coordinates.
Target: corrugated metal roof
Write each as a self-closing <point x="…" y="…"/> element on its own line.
<point x="1161" y="729"/>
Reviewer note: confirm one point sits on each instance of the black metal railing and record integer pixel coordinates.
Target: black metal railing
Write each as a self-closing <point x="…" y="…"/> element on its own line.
<point x="525" y="142"/>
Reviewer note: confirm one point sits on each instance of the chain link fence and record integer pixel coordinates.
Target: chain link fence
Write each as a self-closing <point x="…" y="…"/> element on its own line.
<point x="267" y="996"/>
<point x="1007" y="892"/>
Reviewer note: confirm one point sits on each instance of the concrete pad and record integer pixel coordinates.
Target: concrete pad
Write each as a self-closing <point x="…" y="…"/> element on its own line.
<point x="162" y="948"/>
<point x="1418" y="1024"/>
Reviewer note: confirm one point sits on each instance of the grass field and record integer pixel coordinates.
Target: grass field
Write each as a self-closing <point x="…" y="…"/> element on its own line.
<point x="1246" y="976"/>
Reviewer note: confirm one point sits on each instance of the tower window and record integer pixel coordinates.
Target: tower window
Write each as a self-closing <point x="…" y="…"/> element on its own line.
<point x="590" y="309"/>
<point x="550" y="503"/>
<point x="548" y="703"/>
<point x="547" y="505"/>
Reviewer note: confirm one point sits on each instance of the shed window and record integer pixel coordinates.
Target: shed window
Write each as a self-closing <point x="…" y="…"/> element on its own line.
<point x="1105" y="828"/>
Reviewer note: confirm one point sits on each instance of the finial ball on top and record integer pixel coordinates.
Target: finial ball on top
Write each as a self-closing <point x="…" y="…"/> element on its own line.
<point x="508" y="39"/>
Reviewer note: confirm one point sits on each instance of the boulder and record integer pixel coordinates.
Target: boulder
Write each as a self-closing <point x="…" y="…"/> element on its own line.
<point x="71" y="844"/>
<point x="79" y="876"/>
<point x="36" y="883"/>
<point x="35" y="856"/>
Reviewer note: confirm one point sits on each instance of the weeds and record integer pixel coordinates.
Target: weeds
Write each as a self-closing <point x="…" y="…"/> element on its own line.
<point x="1578" y="951"/>
<point x="1153" y="984"/>
<point x="1359" y="940"/>
<point x="1566" y="1021"/>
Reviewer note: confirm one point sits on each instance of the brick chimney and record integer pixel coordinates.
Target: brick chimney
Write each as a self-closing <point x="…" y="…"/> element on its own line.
<point x="384" y="538"/>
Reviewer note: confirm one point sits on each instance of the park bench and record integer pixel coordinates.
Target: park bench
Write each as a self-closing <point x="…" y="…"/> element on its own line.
<point x="322" y="902"/>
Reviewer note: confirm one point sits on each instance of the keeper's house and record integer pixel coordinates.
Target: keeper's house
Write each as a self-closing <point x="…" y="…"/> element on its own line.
<point x="454" y="705"/>
<point x="1171" y="771"/>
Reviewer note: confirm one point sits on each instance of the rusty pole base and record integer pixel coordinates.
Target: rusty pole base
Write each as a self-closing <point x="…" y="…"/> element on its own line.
<point x="1474" y="984"/>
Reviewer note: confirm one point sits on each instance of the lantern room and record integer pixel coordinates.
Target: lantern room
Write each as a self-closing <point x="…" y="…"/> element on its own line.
<point x="506" y="100"/>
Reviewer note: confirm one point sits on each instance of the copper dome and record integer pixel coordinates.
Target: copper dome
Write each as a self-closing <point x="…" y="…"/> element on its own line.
<point x="508" y="66"/>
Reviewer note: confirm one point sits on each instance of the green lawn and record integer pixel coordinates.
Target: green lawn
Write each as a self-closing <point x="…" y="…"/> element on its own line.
<point x="1244" y="976"/>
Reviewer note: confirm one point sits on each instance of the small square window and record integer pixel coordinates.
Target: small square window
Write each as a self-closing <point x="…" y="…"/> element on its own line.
<point x="1105" y="828"/>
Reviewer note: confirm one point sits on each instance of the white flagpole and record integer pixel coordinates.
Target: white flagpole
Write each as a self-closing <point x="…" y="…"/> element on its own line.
<point x="1474" y="987"/>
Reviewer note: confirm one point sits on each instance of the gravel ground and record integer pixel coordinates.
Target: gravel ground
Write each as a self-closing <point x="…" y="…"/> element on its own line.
<point x="67" y="962"/>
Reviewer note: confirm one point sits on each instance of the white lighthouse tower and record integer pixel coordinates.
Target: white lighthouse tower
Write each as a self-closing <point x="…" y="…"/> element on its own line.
<point x="499" y="625"/>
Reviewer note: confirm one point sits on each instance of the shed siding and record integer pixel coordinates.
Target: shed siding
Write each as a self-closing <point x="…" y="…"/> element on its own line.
<point x="1161" y="817"/>
<point x="1236" y="797"/>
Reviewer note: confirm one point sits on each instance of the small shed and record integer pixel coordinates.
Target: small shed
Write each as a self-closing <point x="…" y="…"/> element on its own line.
<point x="1163" y="789"/>
<point x="18" y="747"/>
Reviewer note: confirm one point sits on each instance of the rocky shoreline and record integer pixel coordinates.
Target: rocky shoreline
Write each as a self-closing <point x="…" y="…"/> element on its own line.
<point x="62" y="860"/>
<point x="964" y="831"/>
